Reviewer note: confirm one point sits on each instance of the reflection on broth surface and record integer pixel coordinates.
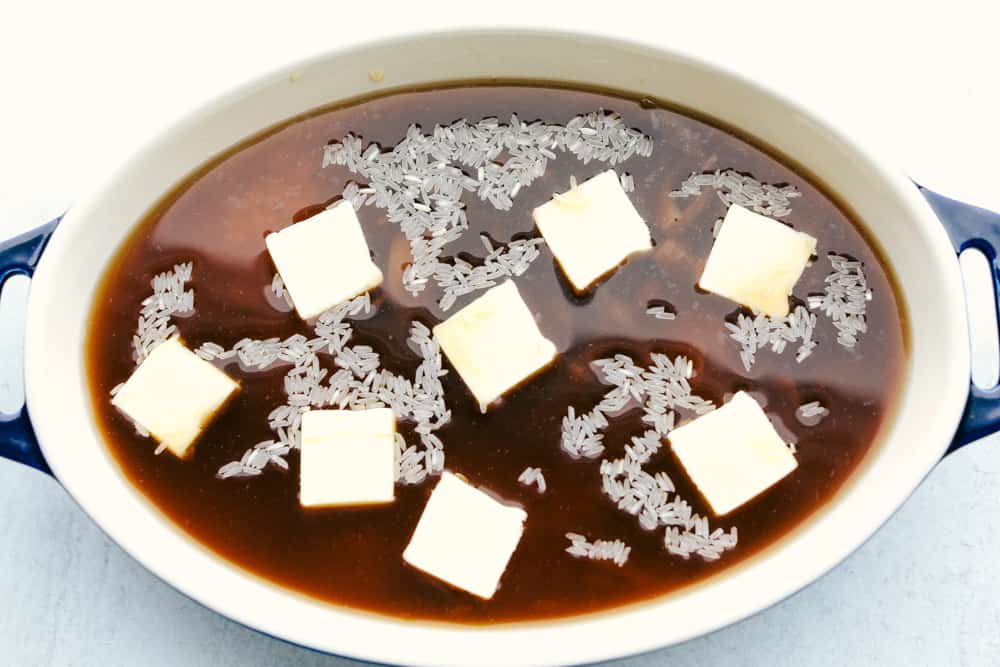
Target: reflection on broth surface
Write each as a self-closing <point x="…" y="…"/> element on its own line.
<point x="218" y="219"/>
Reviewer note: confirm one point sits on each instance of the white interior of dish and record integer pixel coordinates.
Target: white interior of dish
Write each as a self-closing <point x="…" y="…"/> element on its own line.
<point x="897" y="217"/>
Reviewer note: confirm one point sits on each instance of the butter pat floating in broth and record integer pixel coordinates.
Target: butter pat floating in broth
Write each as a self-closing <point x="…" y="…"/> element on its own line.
<point x="591" y="229"/>
<point x="732" y="454"/>
<point x="174" y="394"/>
<point x="347" y="457"/>
<point x="324" y="260"/>
<point x="494" y="343"/>
<point x="465" y="537"/>
<point x="756" y="261"/>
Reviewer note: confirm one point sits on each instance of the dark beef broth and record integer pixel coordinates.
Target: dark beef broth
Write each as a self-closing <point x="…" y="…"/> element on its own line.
<point x="219" y="219"/>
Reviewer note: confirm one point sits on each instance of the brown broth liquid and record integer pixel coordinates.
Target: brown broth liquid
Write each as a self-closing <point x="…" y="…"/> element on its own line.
<point x="352" y="557"/>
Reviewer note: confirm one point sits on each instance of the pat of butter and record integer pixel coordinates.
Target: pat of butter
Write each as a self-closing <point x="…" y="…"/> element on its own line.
<point x="465" y="537"/>
<point x="347" y="457"/>
<point x="732" y="454"/>
<point x="592" y="229"/>
<point x="324" y="260"/>
<point x="756" y="261"/>
<point x="174" y="394"/>
<point x="494" y="343"/>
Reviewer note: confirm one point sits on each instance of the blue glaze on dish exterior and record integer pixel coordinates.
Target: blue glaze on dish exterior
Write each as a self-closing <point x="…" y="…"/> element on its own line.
<point x="20" y="255"/>
<point x="967" y="226"/>
<point x="972" y="227"/>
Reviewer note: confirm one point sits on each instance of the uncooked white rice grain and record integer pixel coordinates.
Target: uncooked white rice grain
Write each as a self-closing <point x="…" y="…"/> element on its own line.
<point x="735" y="188"/>
<point x="533" y="476"/>
<point x="845" y="299"/>
<point x="612" y="550"/>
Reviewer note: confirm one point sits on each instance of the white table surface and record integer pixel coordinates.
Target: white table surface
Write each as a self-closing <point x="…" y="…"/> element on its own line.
<point x="84" y="82"/>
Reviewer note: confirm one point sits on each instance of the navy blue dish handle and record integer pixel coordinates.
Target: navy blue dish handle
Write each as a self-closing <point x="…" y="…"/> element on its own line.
<point x="972" y="227"/>
<point x="20" y="255"/>
<point x="967" y="226"/>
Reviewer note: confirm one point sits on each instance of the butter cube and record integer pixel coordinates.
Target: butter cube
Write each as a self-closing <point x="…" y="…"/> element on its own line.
<point x="756" y="261"/>
<point x="174" y="394"/>
<point x="494" y="343"/>
<point x="324" y="260"/>
<point x="732" y="454"/>
<point x="347" y="457"/>
<point x="591" y="229"/>
<point x="465" y="537"/>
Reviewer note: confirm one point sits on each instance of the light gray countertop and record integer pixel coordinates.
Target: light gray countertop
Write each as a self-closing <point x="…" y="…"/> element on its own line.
<point x="924" y="591"/>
